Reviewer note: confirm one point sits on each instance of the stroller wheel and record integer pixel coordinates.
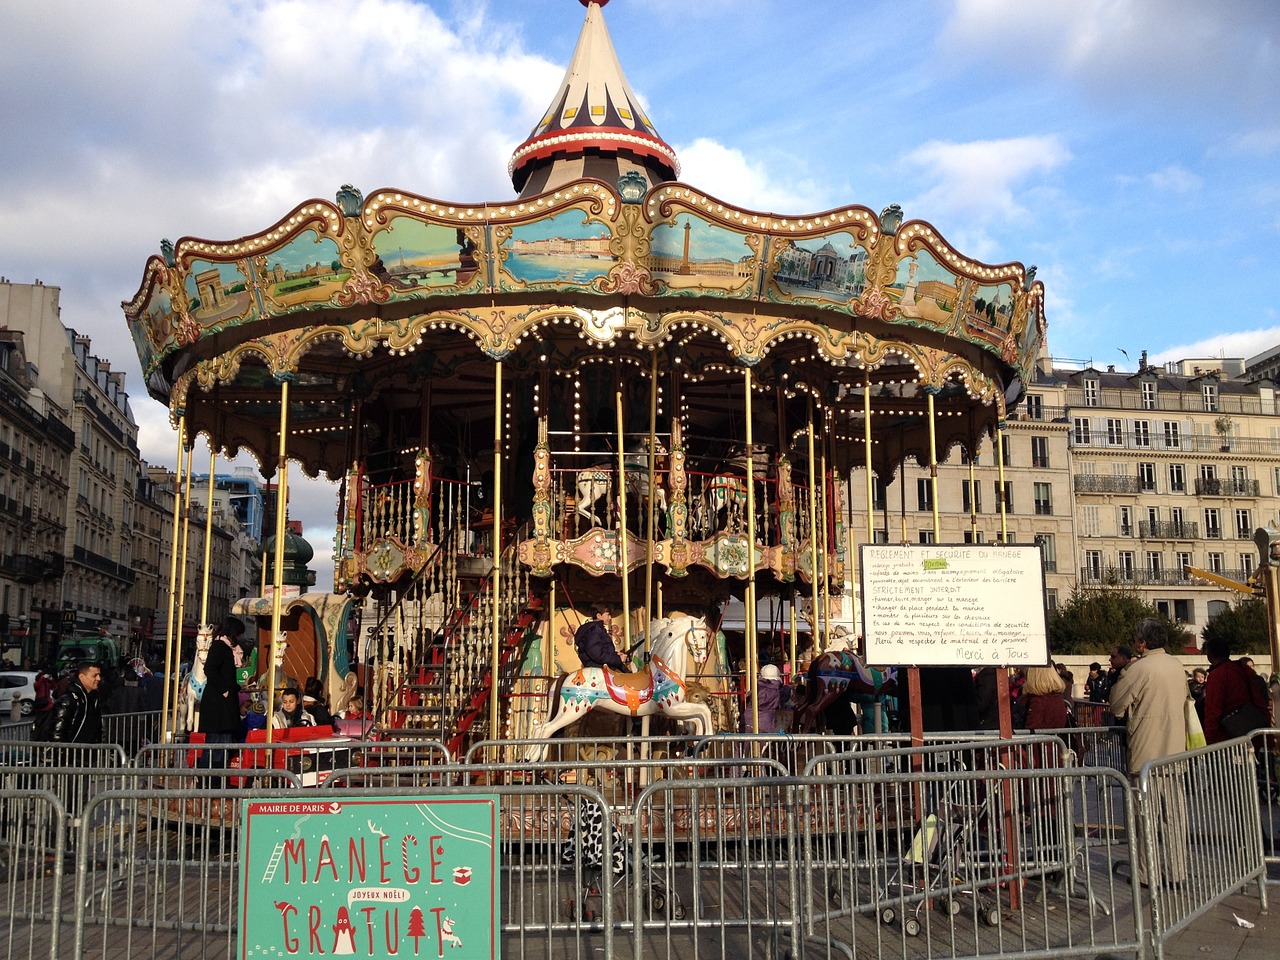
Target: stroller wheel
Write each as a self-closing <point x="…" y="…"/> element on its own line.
<point x="677" y="910"/>
<point x="950" y="906"/>
<point x="991" y="916"/>
<point x="569" y="910"/>
<point x="657" y="901"/>
<point x="888" y="915"/>
<point x="911" y="927"/>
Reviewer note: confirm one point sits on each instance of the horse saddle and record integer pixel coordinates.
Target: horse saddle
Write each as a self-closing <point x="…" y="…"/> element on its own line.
<point x="630" y="681"/>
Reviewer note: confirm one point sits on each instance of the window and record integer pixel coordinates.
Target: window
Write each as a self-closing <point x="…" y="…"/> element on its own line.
<point x="1080" y="432"/>
<point x="1209" y="392"/>
<point x="1142" y="433"/>
<point x="877" y="493"/>
<point x="1004" y="451"/>
<point x="1043" y="498"/>
<point x="1035" y="406"/>
<point x="972" y="497"/>
<point x="1008" y="493"/>
<point x="1155" y="565"/>
<point x="1051" y="599"/>
<point x="882" y="536"/>
<point x="1125" y="565"/>
<point x="1217" y="608"/>
<point x="1182" y="611"/>
<point x="1040" y="452"/>
<point x="1178" y="478"/>
<point x="1092" y="566"/>
<point x="1091" y="392"/>
<point x="1275" y="479"/>
<point x="1048" y="551"/>
<point x="1172" y="438"/>
<point x="1246" y="564"/>
<point x="1240" y="485"/>
<point x="1212" y="524"/>
<point x="926" y="536"/>
<point x="1244" y="525"/>
<point x="1216" y="562"/>
<point x="1181" y="560"/>
<point x="1125" y="518"/>
<point x="1148" y="394"/>
<point x="1208" y="471"/>
<point x="973" y="536"/>
<point x="1090" y="525"/>
<point x="924" y="493"/>
<point x="1147" y="477"/>
<point x="1176" y="522"/>
<point x="1115" y="432"/>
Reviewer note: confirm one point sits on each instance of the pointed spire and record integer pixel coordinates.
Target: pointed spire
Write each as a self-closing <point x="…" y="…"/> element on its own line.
<point x="595" y="126"/>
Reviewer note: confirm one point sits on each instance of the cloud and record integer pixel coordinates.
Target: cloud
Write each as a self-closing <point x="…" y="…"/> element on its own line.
<point x="1242" y="343"/>
<point x="726" y="172"/>
<point x="1174" y="179"/>
<point x="974" y="183"/>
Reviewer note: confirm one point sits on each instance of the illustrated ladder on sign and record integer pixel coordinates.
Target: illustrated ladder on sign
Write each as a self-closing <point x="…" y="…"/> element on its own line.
<point x="277" y="854"/>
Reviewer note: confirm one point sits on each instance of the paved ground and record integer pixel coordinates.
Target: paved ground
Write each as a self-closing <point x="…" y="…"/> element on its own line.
<point x="1218" y="935"/>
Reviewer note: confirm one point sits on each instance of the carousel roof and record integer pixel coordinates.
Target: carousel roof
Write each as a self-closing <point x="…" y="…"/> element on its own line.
<point x="382" y="299"/>
<point x="595" y="126"/>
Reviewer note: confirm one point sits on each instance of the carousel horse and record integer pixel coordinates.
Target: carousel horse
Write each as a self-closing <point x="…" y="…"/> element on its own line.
<point x="196" y="679"/>
<point x="659" y="688"/>
<point x="637" y="466"/>
<point x="831" y="675"/>
<point x="594" y="484"/>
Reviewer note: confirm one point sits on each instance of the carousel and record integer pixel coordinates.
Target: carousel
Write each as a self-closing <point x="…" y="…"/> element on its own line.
<point x="610" y="389"/>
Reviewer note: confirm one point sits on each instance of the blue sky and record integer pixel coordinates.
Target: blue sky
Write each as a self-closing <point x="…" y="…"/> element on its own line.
<point x="1129" y="148"/>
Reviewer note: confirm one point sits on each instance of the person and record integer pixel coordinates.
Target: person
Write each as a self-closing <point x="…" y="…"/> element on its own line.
<point x="250" y="719"/>
<point x="594" y="641"/>
<point x="77" y="714"/>
<point x="1258" y="679"/>
<point x="291" y="712"/>
<point x="1046" y="706"/>
<point x="771" y="696"/>
<point x="314" y="703"/>
<point x="1195" y="687"/>
<point x="1150" y="697"/>
<point x="219" y="718"/>
<point x="1229" y="688"/>
<point x="1096" y="684"/>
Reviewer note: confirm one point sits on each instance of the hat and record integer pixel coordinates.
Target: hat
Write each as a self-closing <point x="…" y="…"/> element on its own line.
<point x="770" y="672"/>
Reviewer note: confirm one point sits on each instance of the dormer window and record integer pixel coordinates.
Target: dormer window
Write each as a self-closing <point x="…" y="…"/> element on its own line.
<point x="1090" y="393"/>
<point x="1209" y="392"/>
<point x="1148" y="394"/>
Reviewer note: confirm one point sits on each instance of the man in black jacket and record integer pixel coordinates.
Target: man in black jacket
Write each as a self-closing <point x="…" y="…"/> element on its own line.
<point x="77" y="715"/>
<point x="594" y="642"/>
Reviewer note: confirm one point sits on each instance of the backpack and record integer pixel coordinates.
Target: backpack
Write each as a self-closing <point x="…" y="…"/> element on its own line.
<point x="42" y="726"/>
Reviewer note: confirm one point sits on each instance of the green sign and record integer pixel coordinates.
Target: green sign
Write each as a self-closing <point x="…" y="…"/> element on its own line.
<point x="374" y="877"/>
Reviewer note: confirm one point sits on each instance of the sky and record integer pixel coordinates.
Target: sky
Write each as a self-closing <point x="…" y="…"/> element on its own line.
<point x="1128" y="148"/>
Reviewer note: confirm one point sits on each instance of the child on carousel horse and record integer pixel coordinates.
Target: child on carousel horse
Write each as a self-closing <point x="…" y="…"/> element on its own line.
<point x="594" y="641"/>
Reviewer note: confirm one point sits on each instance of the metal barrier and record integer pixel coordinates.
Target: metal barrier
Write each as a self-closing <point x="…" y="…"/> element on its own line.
<point x="131" y="731"/>
<point x="1200" y="834"/>
<point x="32" y="872"/>
<point x="1266" y="748"/>
<point x="575" y="749"/>
<point x="20" y="731"/>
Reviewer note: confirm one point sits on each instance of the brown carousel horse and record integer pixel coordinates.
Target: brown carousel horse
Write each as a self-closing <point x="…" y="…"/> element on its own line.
<point x="831" y="676"/>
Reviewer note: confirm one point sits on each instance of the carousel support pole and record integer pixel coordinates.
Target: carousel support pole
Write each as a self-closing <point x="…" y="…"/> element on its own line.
<point x="208" y="538"/>
<point x="182" y="577"/>
<point x="277" y="578"/>
<point x="819" y="644"/>
<point x="791" y="616"/>
<point x="1004" y="500"/>
<point x="866" y="445"/>
<point x="171" y="654"/>
<point x="623" y="563"/>
<point x="495" y="626"/>
<point x="828" y="530"/>
<point x="653" y="480"/>
<point x="931" y="393"/>
<point x="973" y="501"/>
<point x="753" y="639"/>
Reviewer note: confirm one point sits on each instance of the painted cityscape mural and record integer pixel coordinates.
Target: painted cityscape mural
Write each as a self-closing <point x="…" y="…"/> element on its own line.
<point x="830" y="267"/>
<point x="693" y="255"/>
<point x="413" y="255"/>
<point x="567" y="248"/>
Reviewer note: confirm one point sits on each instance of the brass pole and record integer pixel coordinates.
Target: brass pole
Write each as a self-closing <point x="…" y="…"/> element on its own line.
<point x="753" y="640"/>
<point x="819" y="644"/>
<point x="933" y="465"/>
<point x="495" y="626"/>
<point x="866" y="444"/>
<point x="653" y="480"/>
<point x="625" y="570"/>
<point x="171" y="655"/>
<point x="827" y="527"/>
<point x="182" y="577"/>
<point x="208" y="540"/>
<point x="277" y="578"/>
<point x="1004" y="501"/>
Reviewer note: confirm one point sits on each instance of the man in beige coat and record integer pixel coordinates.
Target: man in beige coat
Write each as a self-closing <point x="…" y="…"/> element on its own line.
<point x="1150" y="695"/>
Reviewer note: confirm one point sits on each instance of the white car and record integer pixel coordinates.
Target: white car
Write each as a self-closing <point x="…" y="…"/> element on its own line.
<point x="18" y="685"/>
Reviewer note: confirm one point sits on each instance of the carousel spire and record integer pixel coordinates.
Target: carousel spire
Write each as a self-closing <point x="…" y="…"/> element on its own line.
<point x="595" y="126"/>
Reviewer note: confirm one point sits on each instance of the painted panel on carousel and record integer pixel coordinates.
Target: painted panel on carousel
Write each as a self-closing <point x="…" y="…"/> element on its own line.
<point x="567" y="249"/>
<point x="823" y="269"/>
<point x="417" y="257"/>
<point x="304" y="271"/>
<point x="156" y="330"/>
<point x="929" y="294"/>
<point x="691" y="255"/>
<point x="218" y="293"/>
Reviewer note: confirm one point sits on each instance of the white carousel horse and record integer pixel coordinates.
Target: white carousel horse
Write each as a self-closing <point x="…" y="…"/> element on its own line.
<point x="659" y="688"/>
<point x="594" y="484"/>
<point x="637" y="465"/>
<point x="193" y="687"/>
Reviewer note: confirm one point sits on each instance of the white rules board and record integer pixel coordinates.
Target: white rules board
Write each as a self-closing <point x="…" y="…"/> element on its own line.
<point x="953" y="605"/>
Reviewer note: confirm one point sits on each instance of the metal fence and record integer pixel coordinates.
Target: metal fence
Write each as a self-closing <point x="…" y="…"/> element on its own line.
<point x="1266" y="745"/>
<point x="744" y="846"/>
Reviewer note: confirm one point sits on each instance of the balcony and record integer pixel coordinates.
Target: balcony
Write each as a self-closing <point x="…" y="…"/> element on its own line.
<point x="1215" y="487"/>
<point x="1095" y="483"/>
<point x="1168" y="530"/>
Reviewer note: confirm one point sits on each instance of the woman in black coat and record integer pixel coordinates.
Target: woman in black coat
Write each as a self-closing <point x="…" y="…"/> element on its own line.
<point x="220" y="702"/>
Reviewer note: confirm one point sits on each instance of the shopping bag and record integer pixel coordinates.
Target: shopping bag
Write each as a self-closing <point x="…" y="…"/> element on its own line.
<point x="1243" y="720"/>
<point x="1195" y="732"/>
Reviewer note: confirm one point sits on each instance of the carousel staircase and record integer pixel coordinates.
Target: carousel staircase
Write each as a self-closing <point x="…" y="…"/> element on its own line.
<point x="445" y="694"/>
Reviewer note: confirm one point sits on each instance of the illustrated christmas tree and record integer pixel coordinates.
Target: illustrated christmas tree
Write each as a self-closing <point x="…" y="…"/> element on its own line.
<point x="417" y="928"/>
